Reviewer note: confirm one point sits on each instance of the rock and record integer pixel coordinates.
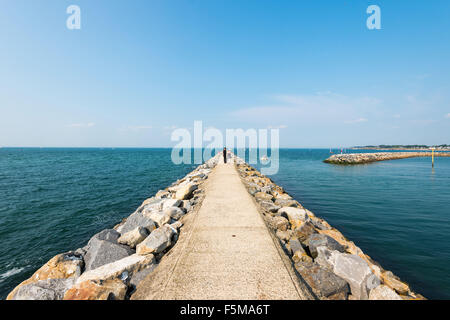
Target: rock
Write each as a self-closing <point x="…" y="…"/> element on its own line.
<point x="323" y="258"/>
<point x="355" y="271"/>
<point x="102" y="252"/>
<point x="296" y="246"/>
<point x="283" y="235"/>
<point x="319" y="223"/>
<point x="390" y="280"/>
<point x="50" y="289"/>
<point x="300" y="256"/>
<point x="62" y="266"/>
<point x="253" y="190"/>
<point x="283" y="196"/>
<point x="97" y="290"/>
<point x="262" y="196"/>
<point x="171" y="203"/>
<point x="383" y="292"/>
<point x="134" y="237"/>
<point x="303" y="231"/>
<point x="280" y="223"/>
<point x="185" y="192"/>
<point x="295" y="216"/>
<point x="269" y="206"/>
<point x="118" y="269"/>
<point x="109" y="235"/>
<point x="174" y="213"/>
<point x="186" y="205"/>
<point x="135" y="220"/>
<point x="323" y="282"/>
<point x="319" y="240"/>
<point x="159" y="217"/>
<point x="286" y="203"/>
<point x="141" y="275"/>
<point x="157" y="241"/>
<point x="162" y="194"/>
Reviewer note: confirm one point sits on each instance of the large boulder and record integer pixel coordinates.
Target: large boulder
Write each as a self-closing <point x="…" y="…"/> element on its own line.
<point x="383" y="292"/>
<point x="286" y="203"/>
<point x="101" y="252"/>
<point x="171" y="203"/>
<point x="123" y="268"/>
<point x="63" y="266"/>
<point x="296" y="216"/>
<point x="269" y="206"/>
<point x="159" y="217"/>
<point x="50" y="289"/>
<point x="157" y="241"/>
<point x="356" y="272"/>
<point x="262" y="196"/>
<point x="303" y="231"/>
<point x="324" y="283"/>
<point x="279" y="223"/>
<point x="113" y="289"/>
<point x="134" y="237"/>
<point x="322" y="240"/>
<point x="174" y="213"/>
<point x="135" y="220"/>
<point x="185" y="192"/>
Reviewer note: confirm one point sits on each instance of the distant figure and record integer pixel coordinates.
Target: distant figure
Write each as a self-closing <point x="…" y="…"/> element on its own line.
<point x="224" y="154"/>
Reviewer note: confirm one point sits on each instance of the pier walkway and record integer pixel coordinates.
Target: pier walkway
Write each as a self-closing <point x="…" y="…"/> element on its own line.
<point x="225" y="251"/>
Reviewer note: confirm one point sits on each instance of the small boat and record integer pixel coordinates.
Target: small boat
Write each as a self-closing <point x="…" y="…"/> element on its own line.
<point x="264" y="158"/>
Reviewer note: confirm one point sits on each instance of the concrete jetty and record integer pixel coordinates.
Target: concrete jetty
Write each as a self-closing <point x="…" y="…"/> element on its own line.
<point x="224" y="231"/>
<point x="361" y="158"/>
<point x="228" y="252"/>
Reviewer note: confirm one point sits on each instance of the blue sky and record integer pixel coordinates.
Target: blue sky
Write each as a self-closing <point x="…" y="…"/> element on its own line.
<point x="138" y="69"/>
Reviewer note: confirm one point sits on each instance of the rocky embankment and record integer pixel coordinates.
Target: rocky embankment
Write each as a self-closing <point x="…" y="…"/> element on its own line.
<point x="332" y="266"/>
<point x="115" y="260"/>
<point x="359" y="158"/>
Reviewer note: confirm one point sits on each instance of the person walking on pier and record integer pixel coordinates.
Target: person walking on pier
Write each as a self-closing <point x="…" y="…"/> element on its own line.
<point x="224" y="155"/>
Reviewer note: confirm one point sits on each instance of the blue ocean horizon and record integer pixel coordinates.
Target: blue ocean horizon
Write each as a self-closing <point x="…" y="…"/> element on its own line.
<point x="53" y="200"/>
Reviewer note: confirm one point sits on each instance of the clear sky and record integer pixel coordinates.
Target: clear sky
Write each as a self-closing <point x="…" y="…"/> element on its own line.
<point x="138" y="69"/>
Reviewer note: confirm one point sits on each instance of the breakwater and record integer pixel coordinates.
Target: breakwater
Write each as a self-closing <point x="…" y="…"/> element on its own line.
<point x="116" y="261"/>
<point x="331" y="265"/>
<point x="360" y="158"/>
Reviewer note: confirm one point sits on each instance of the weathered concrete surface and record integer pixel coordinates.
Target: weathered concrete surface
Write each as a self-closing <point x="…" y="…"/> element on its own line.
<point x="225" y="251"/>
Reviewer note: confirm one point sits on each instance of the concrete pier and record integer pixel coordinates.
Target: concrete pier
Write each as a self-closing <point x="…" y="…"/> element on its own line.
<point x="227" y="251"/>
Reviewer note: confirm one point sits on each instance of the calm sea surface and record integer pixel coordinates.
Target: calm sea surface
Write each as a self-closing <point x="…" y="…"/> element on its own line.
<point x="54" y="200"/>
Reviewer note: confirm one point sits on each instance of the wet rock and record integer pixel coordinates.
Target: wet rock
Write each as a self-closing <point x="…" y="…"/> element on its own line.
<point x="185" y="192"/>
<point x="50" y="289"/>
<point x="113" y="289"/>
<point x="383" y="292"/>
<point x="392" y="281"/>
<point x="262" y="196"/>
<point x="323" y="282"/>
<point x="296" y="216"/>
<point x="102" y="252"/>
<point x="135" y="220"/>
<point x="134" y="237"/>
<point x="303" y="231"/>
<point x="62" y="266"/>
<point x="157" y="241"/>
<point x="319" y="240"/>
